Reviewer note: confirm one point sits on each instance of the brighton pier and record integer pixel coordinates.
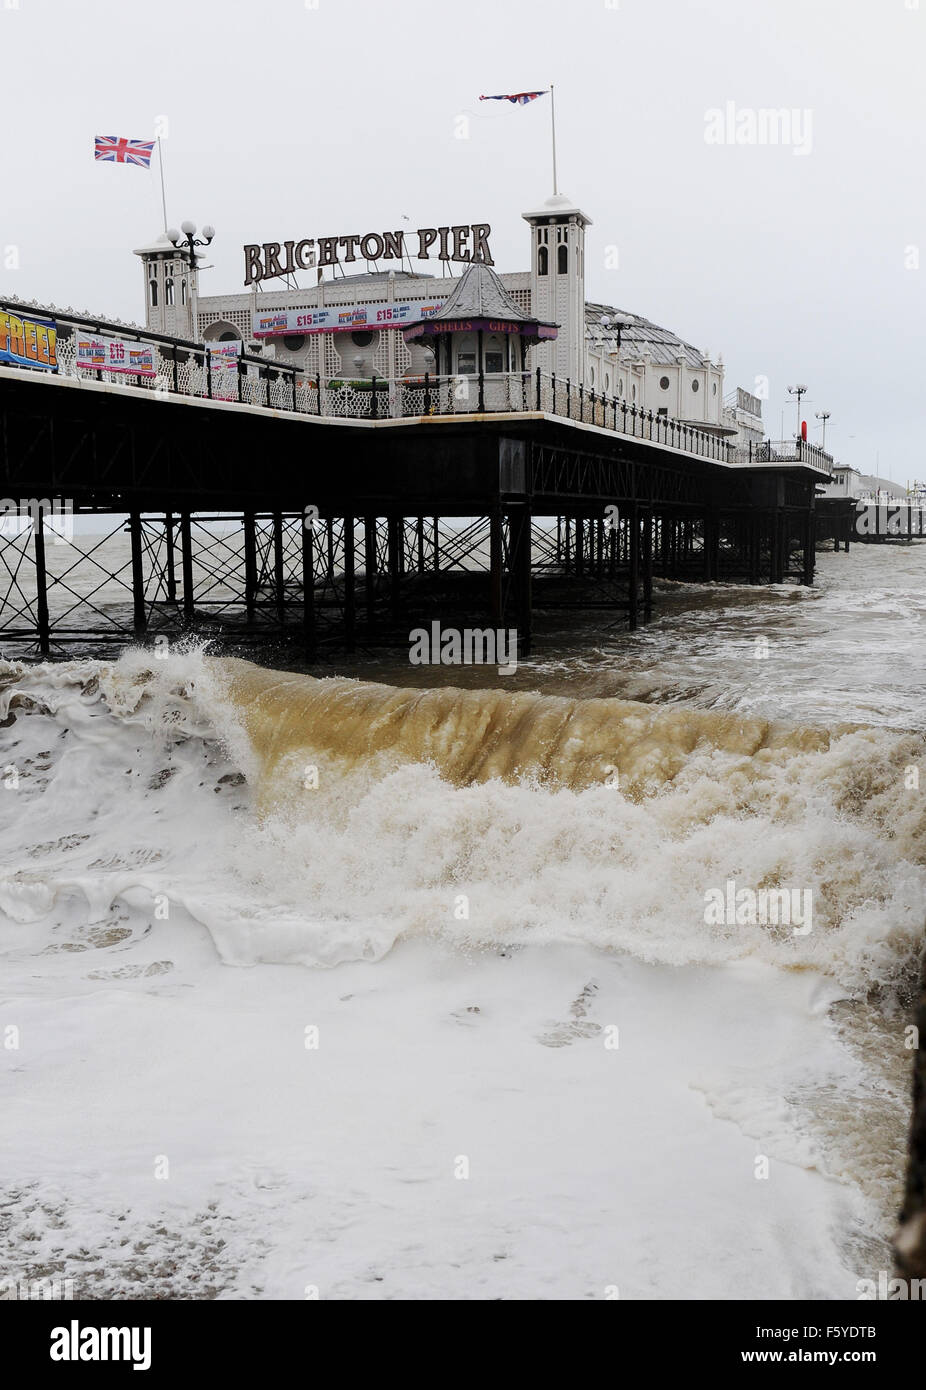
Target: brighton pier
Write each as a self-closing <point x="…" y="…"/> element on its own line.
<point x="513" y="460"/>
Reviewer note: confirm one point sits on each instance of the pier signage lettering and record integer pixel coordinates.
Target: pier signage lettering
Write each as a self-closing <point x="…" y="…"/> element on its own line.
<point x="28" y="342"/>
<point x="270" y="259"/>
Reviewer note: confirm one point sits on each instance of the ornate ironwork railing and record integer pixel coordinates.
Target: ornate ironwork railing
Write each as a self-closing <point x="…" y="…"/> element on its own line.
<point x="182" y="368"/>
<point x="785" y="451"/>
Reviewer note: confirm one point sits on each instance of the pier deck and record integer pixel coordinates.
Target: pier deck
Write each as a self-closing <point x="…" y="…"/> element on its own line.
<point x="330" y="524"/>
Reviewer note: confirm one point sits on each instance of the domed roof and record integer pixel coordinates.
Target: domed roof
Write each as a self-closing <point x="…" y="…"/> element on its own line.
<point x="638" y="335"/>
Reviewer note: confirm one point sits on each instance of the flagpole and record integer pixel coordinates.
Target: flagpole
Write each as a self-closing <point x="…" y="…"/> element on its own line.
<point x="163" y="195"/>
<point x="553" y="133"/>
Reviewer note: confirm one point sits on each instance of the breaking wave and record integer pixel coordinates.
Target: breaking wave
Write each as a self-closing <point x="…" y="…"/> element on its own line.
<point x="322" y="820"/>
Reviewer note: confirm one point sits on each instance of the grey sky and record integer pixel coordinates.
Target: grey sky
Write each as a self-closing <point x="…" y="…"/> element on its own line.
<point x="291" y="121"/>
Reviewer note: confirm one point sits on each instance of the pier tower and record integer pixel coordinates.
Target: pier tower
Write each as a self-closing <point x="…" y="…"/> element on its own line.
<point x="168" y="293"/>
<point x="558" y="284"/>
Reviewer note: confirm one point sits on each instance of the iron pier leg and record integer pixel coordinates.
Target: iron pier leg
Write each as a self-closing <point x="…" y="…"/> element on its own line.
<point x="138" y="574"/>
<point x="171" y="568"/>
<point x="278" y="567"/>
<point x="41" y="583"/>
<point x="369" y="561"/>
<point x="495" y="566"/>
<point x="633" y="578"/>
<point x="520" y="524"/>
<point x="392" y="526"/>
<point x="308" y="586"/>
<point x="250" y="563"/>
<point x="350" y="590"/>
<point x="186" y="543"/>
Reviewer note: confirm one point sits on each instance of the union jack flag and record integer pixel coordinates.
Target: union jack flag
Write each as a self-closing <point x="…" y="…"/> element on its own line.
<point x="519" y="98"/>
<point x="121" y="151"/>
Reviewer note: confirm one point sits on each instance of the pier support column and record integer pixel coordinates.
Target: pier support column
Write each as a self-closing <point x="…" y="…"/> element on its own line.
<point x="707" y="532"/>
<point x="393" y="523"/>
<point x="139" y="617"/>
<point x="186" y="546"/>
<point x="633" y="523"/>
<point x="41" y="582"/>
<point x="647" y="558"/>
<point x="495" y="566"/>
<point x="249" y="522"/>
<point x="520" y="530"/>
<point x="308" y="584"/>
<point x="369" y="564"/>
<point x="278" y="576"/>
<point x="777" y="548"/>
<point x="171" y="585"/>
<point x="810" y="547"/>
<point x="350" y="590"/>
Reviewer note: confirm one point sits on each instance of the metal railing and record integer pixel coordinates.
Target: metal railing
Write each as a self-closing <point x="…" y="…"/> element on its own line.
<point x="785" y="451"/>
<point x="185" y="369"/>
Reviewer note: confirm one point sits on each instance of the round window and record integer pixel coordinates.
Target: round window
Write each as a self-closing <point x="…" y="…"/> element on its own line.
<point x="592" y="375"/>
<point x="361" y="339"/>
<point x="663" y="383"/>
<point x="293" y="341"/>
<point x="714" y="389"/>
<point x="696" y="385"/>
<point x="633" y="396"/>
<point x="620" y="388"/>
<point x="607" y="382"/>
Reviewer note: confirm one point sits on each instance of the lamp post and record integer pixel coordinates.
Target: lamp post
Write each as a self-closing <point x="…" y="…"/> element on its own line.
<point x="798" y="391"/>
<point x="186" y="242"/>
<point x="823" y="415"/>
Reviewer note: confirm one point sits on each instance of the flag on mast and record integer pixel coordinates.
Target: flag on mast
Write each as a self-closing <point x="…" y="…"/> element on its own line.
<point x="521" y="99"/>
<point x="118" y="150"/>
<point x="518" y="98"/>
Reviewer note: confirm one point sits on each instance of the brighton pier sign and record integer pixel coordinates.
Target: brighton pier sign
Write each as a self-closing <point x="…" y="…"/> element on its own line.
<point x="270" y="259"/>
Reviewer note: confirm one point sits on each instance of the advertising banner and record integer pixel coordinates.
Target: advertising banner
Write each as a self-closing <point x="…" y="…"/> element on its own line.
<point x="28" y="342"/>
<point x="223" y="366"/>
<point x="338" y="318"/>
<point x="98" y="354"/>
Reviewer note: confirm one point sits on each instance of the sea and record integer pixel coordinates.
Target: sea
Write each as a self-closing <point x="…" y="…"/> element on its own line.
<point x="369" y="980"/>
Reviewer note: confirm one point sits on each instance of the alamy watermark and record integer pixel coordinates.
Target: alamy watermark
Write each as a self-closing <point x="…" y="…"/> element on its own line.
<point x="878" y="519"/>
<point x="18" y="514"/>
<point x="746" y="125"/>
<point x="45" y="1290"/>
<point x="737" y="907"/>
<point x="468" y="646"/>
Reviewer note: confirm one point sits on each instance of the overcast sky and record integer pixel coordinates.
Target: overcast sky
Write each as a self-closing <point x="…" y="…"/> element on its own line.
<point x="288" y="119"/>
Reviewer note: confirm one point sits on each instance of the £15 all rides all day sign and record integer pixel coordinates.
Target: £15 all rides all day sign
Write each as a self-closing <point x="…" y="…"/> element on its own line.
<point x="99" y="354"/>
